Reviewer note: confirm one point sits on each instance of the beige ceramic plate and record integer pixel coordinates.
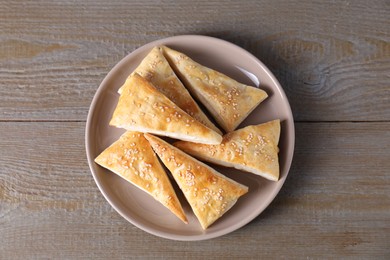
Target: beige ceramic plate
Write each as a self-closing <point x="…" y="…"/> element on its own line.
<point x="138" y="207"/>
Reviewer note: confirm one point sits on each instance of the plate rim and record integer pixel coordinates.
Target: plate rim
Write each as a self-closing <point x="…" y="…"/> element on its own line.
<point x="203" y="236"/>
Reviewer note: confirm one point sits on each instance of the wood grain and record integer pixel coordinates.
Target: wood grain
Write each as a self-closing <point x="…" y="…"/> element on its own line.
<point x="335" y="203"/>
<point x="331" y="57"/>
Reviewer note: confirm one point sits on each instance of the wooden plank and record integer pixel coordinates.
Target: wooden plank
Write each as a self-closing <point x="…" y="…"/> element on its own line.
<point x="331" y="58"/>
<point x="335" y="202"/>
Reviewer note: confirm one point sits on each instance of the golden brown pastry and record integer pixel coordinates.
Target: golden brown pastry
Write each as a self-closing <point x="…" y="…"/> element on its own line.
<point x="228" y="101"/>
<point x="155" y="68"/>
<point x="142" y="108"/>
<point x="253" y="149"/>
<point x="132" y="158"/>
<point x="209" y="193"/>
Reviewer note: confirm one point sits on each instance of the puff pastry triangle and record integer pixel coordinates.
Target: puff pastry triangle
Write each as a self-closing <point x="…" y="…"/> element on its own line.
<point x="155" y="68"/>
<point x="253" y="149"/>
<point x="228" y="101"/>
<point x="209" y="193"/>
<point x="142" y="108"/>
<point x="132" y="158"/>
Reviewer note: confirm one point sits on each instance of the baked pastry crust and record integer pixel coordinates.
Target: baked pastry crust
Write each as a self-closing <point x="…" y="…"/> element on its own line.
<point x="253" y="149"/>
<point x="155" y="68"/>
<point x="142" y="108"/>
<point x="209" y="193"/>
<point x="132" y="158"/>
<point x="228" y="101"/>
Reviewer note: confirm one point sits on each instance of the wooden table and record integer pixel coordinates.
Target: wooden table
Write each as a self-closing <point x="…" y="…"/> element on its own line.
<point x="332" y="59"/>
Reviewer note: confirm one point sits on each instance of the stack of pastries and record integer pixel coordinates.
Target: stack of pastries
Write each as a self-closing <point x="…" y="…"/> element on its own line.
<point x="158" y="100"/>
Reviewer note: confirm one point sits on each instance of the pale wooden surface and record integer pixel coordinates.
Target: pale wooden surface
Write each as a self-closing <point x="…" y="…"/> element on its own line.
<point x="332" y="58"/>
